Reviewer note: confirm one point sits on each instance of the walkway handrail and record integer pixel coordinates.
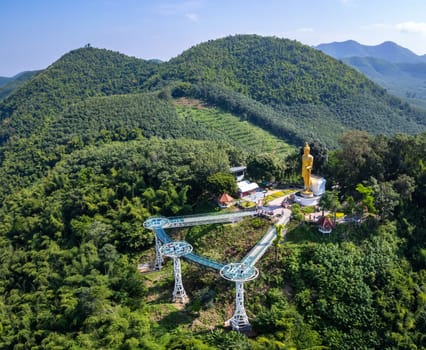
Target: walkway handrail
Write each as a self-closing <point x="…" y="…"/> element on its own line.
<point x="162" y="235"/>
<point x="211" y="214"/>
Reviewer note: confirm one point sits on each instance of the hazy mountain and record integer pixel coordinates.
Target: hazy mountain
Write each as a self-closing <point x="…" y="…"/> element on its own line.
<point x="397" y="69"/>
<point x="4" y="80"/>
<point x="407" y="80"/>
<point x="387" y="50"/>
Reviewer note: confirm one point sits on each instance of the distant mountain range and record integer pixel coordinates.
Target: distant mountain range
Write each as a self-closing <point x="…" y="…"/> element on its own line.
<point x="388" y="51"/>
<point x="7" y="85"/>
<point x="397" y="69"/>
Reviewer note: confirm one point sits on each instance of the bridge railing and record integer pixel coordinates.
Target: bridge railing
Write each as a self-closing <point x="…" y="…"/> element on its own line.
<point x="192" y="220"/>
<point x="209" y="214"/>
<point x="165" y="238"/>
<point x="204" y="261"/>
<point x="162" y="235"/>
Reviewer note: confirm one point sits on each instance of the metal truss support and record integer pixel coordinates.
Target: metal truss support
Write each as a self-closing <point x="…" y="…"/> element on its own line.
<point x="239" y="321"/>
<point x="239" y="273"/>
<point x="175" y="250"/>
<point x="158" y="263"/>
<point x="179" y="294"/>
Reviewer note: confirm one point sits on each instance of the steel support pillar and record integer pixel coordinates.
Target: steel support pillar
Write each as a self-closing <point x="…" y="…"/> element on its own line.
<point x="179" y="294"/>
<point x="158" y="263"/>
<point x="239" y="321"/>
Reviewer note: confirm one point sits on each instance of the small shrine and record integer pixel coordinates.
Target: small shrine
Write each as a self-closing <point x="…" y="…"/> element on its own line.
<point x="325" y="224"/>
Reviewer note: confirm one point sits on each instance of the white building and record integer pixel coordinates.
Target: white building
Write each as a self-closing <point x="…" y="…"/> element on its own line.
<point x="246" y="187"/>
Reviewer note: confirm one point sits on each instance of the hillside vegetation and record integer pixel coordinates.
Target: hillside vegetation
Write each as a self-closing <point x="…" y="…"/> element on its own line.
<point x="94" y="121"/>
<point x="80" y="74"/>
<point x="297" y="91"/>
<point x="98" y="142"/>
<point x="70" y="244"/>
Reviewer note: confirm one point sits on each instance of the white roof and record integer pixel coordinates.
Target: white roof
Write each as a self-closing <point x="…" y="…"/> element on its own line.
<point x="236" y="169"/>
<point x="246" y="186"/>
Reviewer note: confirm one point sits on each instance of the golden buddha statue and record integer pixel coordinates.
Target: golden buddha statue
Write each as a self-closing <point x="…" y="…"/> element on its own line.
<point x="307" y="164"/>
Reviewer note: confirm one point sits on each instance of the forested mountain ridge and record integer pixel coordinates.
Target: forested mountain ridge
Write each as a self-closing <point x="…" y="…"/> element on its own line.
<point x="289" y="89"/>
<point x="301" y="84"/>
<point x="306" y="86"/>
<point x="81" y="73"/>
<point x="26" y="115"/>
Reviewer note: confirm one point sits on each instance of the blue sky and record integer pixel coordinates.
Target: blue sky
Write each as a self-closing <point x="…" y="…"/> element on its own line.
<point x="35" y="33"/>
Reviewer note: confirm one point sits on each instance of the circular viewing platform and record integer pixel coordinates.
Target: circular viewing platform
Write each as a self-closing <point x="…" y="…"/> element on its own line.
<point x="238" y="272"/>
<point x="157" y="222"/>
<point x="176" y="249"/>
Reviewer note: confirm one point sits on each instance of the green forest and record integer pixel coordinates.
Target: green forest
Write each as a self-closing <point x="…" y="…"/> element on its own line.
<point x="99" y="142"/>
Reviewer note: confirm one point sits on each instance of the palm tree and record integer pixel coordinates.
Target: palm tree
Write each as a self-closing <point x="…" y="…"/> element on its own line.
<point x="279" y="238"/>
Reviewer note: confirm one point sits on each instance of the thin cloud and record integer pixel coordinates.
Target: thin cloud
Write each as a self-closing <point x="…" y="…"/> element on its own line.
<point x="185" y="7"/>
<point x="350" y="3"/>
<point x="192" y="17"/>
<point x="305" y="30"/>
<point x="412" y="27"/>
<point x="404" y="27"/>
<point x="378" y="26"/>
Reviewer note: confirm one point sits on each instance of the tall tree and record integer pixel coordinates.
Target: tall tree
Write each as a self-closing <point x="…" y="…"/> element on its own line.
<point x="222" y="183"/>
<point x="265" y="167"/>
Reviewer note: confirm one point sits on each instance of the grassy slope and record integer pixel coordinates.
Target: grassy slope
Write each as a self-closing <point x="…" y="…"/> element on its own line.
<point x="240" y="133"/>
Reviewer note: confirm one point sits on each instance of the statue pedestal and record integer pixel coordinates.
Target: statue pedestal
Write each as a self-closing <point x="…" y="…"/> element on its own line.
<point x="313" y="196"/>
<point x="306" y="201"/>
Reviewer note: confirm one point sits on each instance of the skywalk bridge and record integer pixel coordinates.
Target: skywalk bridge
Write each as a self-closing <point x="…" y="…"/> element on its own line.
<point x="194" y="220"/>
<point x="236" y="272"/>
<point x="254" y="255"/>
<point x="165" y="238"/>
